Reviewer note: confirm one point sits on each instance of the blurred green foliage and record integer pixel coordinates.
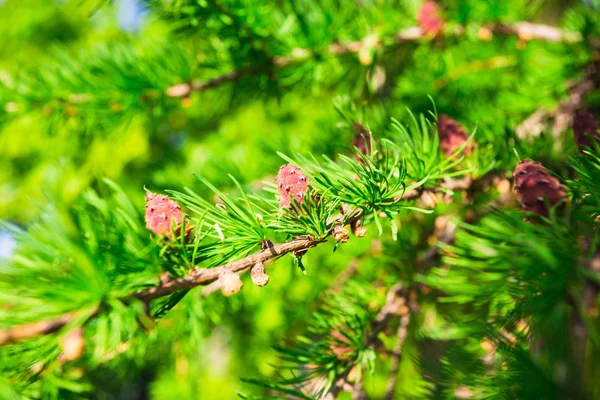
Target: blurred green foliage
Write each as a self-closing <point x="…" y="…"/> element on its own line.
<point x="82" y="99"/>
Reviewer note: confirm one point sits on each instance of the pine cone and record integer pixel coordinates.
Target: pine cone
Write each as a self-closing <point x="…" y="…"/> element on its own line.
<point x="452" y="136"/>
<point x="259" y="275"/>
<point x="291" y="184"/>
<point x="161" y="213"/>
<point x="230" y="283"/>
<point x="585" y="128"/>
<point x="430" y="20"/>
<point x="535" y="185"/>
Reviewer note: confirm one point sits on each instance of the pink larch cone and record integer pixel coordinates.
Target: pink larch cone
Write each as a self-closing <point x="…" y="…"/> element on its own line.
<point x="452" y="136"/>
<point x="535" y="186"/>
<point x="291" y="184"/>
<point x="162" y="213"/>
<point x="586" y="128"/>
<point x="430" y="20"/>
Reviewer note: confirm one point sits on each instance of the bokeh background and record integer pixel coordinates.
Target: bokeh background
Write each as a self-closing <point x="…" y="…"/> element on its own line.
<point x="82" y="98"/>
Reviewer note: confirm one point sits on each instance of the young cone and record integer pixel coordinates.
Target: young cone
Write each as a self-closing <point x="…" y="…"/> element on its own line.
<point x="535" y="186"/>
<point x="162" y="213"/>
<point x="452" y="136"/>
<point x="430" y="20"/>
<point x="291" y="184"/>
<point x="586" y="128"/>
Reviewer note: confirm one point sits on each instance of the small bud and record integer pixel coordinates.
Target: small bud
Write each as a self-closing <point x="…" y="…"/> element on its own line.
<point x="165" y="278"/>
<point x="73" y="345"/>
<point x="485" y="34"/>
<point x="535" y="185"/>
<point x="230" y="283"/>
<point x="586" y="128"/>
<point x="365" y="56"/>
<point x="430" y="20"/>
<point x="429" y="199"/>
<point x="452" y="136"/>
<point x="340" y="234"/>
<point x="463" y="393"/>
<point x="291" y="184"/>
<point x="503" y="186"/>
<point x="220" y="233"/>
<point x="162" y="213"/>
<point x="258" y="275"/>
<point x="357" y="229"/>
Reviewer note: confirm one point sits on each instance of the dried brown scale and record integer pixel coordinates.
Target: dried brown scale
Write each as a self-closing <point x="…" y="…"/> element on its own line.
<point x="230" y="283"/>
<point x="258" y="275"/>
<point x="535" y="186"/>
<point x="292" y="184"/>
<point x="452" y="136"/>
<point x="430" y="20"/>
<point x="340" y="234"/>
<point x="358" y="229"/>
<point x="585" y="128"/>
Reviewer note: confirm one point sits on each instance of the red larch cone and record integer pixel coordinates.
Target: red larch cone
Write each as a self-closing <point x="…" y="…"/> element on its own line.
<point x="585" y="128"/>
<point x="291" y="184"/>
<point x="535" y="186"/>
<point x="162" y="213"/>
<point x="452" y="136"/>
<point x="430" y="20"/>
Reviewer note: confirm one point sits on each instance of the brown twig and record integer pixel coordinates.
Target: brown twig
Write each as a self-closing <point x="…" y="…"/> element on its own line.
<point x="34" y="329"/>
<point x="345" y="275"/>
<point x="397" y="355"/>
<point x="524" y="30"/>
<point x="563" y="114"/>
<point x="184" y="89"/>
<point x="542" y="32"/>
<point x="394" y="302"/>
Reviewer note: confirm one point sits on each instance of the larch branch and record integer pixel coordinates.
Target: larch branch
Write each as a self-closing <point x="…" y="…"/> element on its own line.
<point x="523" y="30"/>
<point x="397" y="355"/>
<point x="199" y="276"/>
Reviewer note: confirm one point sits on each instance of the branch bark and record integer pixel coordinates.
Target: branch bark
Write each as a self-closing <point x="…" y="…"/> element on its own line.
<point x="523" y="30"/>
<point x="34" y="329"/>
<point x="397" y="356"/>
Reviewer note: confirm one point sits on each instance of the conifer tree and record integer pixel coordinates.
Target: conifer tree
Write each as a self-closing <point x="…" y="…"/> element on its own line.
<point x="300" y="199"/>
